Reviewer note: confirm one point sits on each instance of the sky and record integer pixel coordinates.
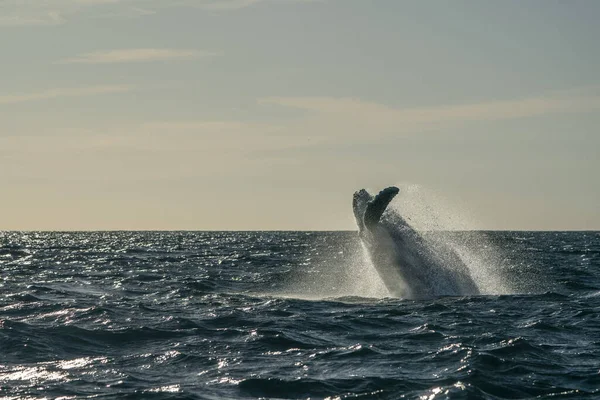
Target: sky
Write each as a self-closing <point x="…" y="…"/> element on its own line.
<point x="269" y="114"/>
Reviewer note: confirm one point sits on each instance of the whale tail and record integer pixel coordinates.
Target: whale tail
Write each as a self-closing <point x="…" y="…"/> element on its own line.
<point x="377" y="206"/>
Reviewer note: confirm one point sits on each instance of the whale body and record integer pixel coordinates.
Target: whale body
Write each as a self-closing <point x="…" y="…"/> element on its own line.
<point x="410" y="266"/>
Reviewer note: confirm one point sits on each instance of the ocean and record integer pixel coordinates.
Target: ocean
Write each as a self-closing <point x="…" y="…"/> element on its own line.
<point x="292" y="315"/>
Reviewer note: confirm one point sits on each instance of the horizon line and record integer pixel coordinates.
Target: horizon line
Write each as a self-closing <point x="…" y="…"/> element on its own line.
<point x="282" y="230"/>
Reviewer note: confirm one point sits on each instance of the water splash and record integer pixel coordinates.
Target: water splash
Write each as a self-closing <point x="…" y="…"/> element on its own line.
<point x="448" y="225"/>
<point x="343" y="268"/>
<point x="427" y="210"/>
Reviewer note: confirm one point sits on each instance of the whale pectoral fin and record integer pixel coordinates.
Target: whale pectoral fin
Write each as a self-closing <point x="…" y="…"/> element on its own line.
<point x="377" y="206"/>
<point x="359" y="205"/>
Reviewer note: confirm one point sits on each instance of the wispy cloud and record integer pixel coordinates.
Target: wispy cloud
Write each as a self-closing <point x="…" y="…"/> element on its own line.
<point x="236" y="4"/>
<point x="63" y="92"/>
<point x="135" y="55"/>
<point x="228" y="4"/>
<point x="352" y="109"/>
<point x="32" y="19"/>
<point x="55" y="12"/>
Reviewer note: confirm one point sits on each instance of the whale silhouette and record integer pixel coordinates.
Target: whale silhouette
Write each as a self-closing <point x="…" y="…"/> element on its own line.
<point x="410" y="266"/>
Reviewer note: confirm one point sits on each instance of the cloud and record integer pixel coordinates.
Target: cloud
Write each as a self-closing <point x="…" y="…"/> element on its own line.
<point x="32" y="19"/>
<point x="135" y="55"/>
<point x="355" y="110"/>
<point x="228" y="4"/>
<point x="236" y="4"/>
<point x="55" y="12"/>
<point x="63" y="92"/>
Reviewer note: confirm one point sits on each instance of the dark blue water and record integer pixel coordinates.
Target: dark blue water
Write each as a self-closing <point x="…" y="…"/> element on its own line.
<point x="292" y="315"/>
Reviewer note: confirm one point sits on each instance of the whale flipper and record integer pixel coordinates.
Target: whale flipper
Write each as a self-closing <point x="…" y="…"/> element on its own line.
<point x="377" y="206"/>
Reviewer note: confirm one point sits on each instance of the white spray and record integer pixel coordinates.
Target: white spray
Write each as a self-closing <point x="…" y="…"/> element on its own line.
<point x="347" y="270"/>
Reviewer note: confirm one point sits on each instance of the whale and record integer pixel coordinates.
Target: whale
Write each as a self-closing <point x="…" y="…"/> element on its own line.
<point x="410" y="265"/>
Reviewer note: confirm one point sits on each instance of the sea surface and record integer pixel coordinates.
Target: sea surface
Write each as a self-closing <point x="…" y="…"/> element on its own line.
<point x="292" y="315"/>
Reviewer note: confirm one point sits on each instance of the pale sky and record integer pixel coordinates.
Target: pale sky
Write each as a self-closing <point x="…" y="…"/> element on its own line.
<point x="269" y="114"/>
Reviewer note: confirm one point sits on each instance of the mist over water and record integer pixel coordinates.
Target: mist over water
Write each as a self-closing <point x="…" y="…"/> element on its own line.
<point x="339" y="269"/>
<point x="440" y="222"/>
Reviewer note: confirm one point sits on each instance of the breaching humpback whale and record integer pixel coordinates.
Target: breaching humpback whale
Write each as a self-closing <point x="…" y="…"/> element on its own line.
<point x="410" y="266"/>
